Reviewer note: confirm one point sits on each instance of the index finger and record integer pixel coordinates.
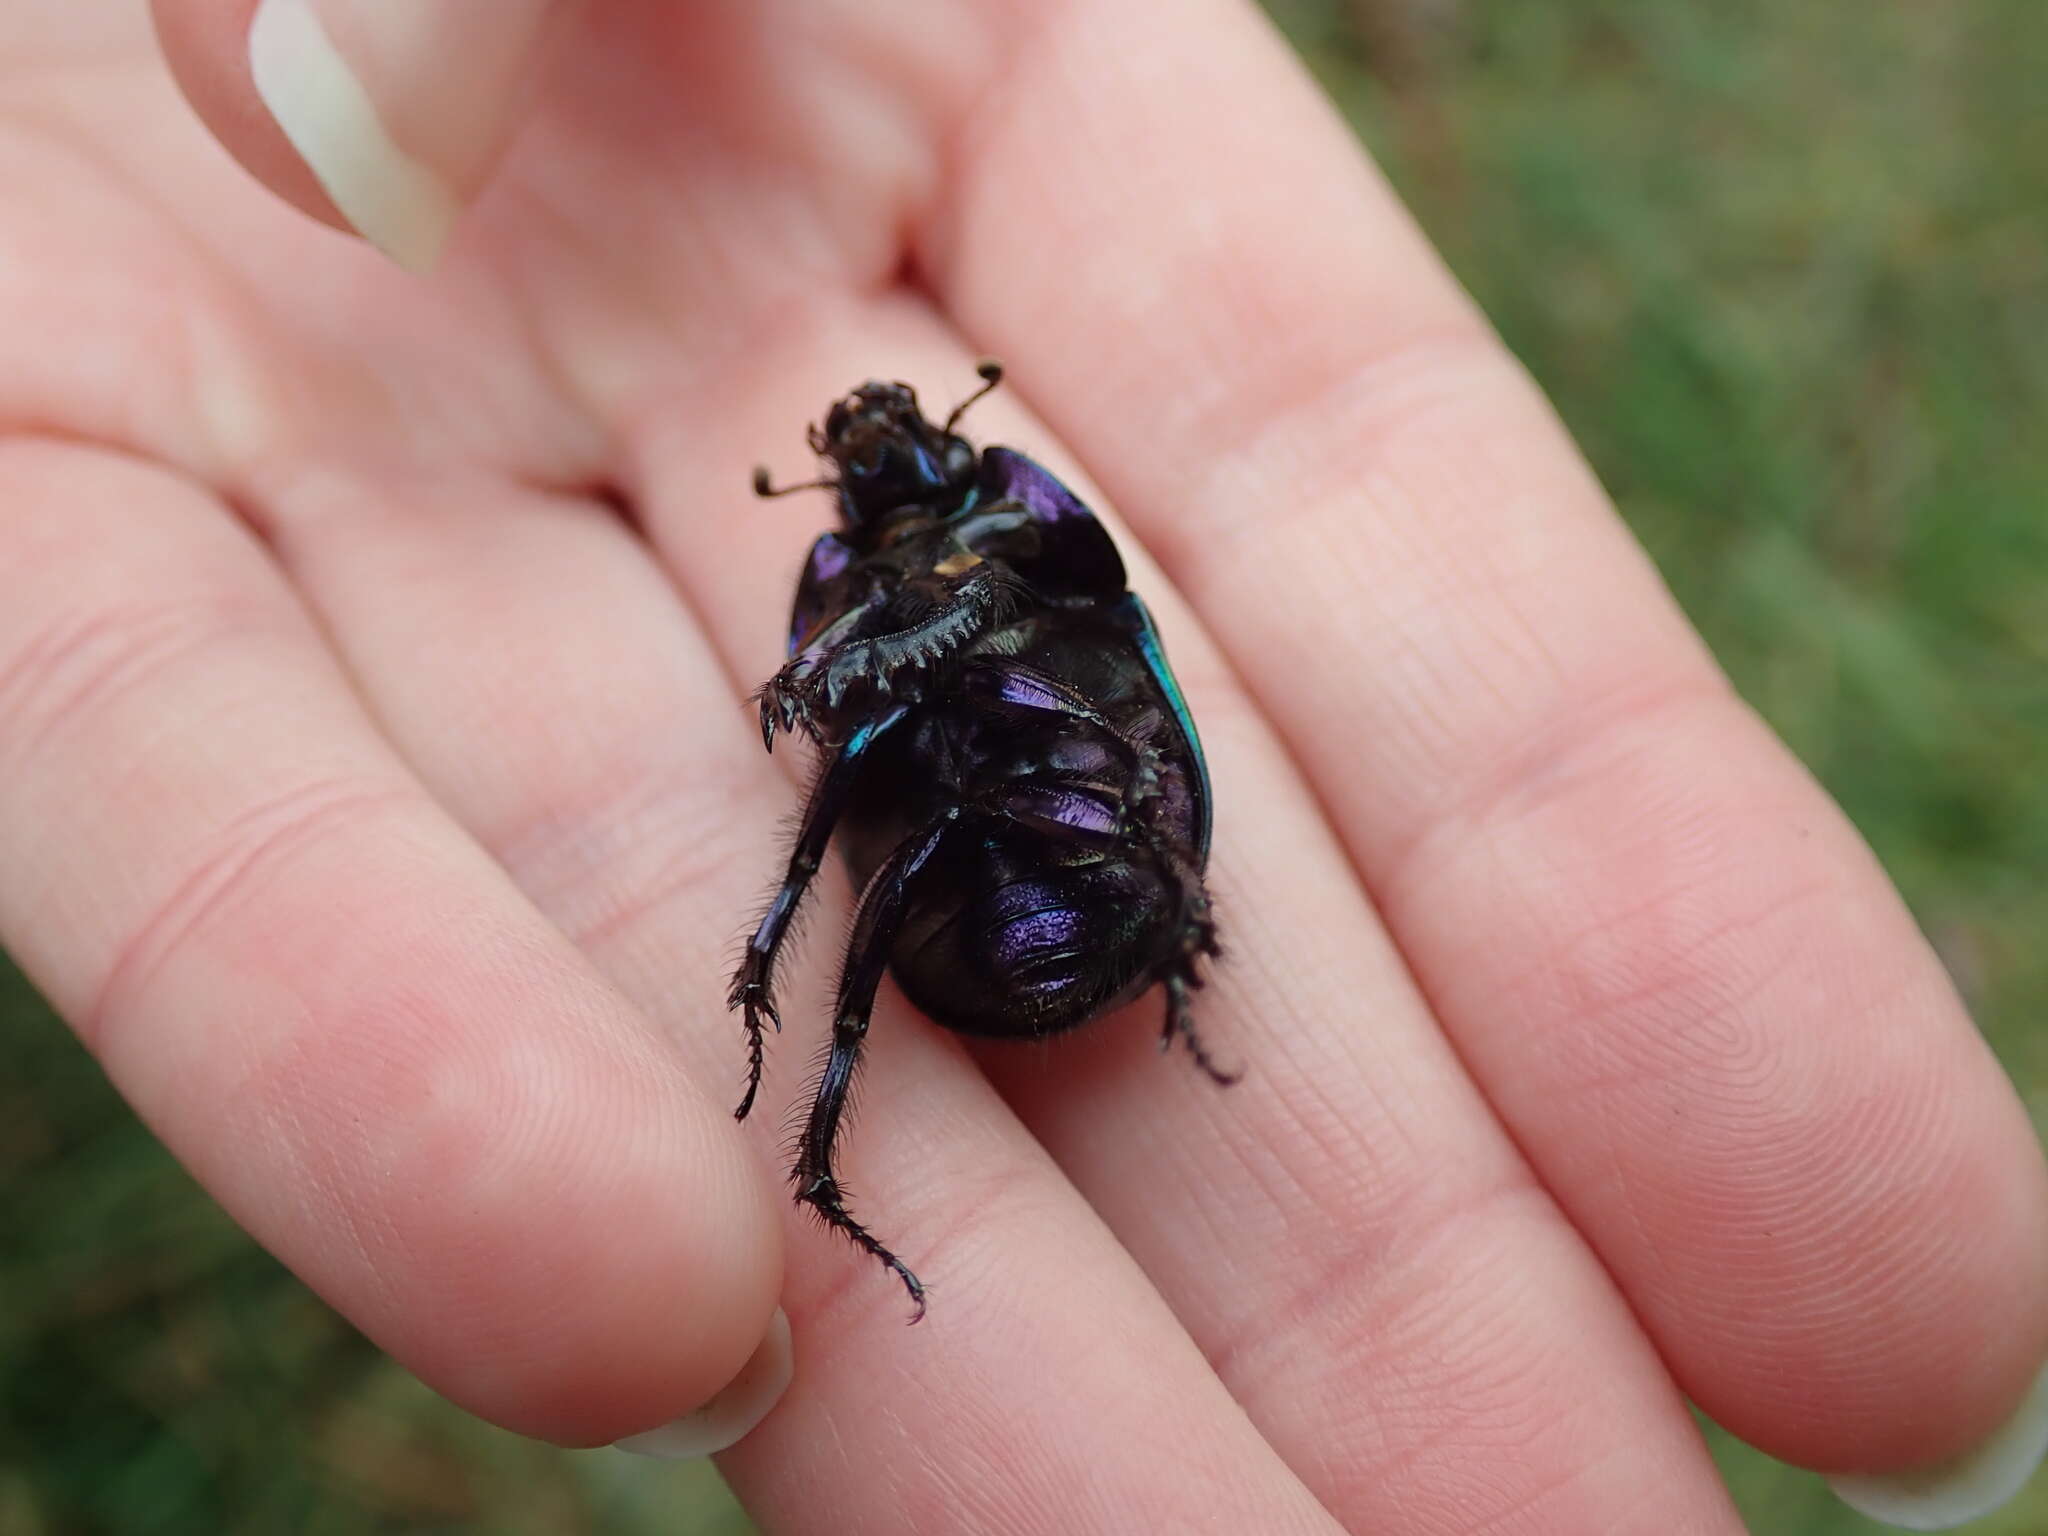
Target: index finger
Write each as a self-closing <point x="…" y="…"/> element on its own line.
<point x="1666" y="958"/>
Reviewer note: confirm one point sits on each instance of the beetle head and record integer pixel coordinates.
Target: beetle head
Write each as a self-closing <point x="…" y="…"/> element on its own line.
<point x="889" y="457"/>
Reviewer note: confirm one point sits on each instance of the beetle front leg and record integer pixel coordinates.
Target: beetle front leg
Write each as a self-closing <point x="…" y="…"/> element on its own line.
<point x="752" y="987"/>
<point x="874" y="930"/>
<point x="786" y="698"/>
<point x="970" y="604"/>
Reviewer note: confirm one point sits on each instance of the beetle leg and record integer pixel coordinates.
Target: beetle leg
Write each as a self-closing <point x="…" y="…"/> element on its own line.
<point x="1002" y="685"/>
<point x="752" y="987"/>
<point x="842" y="663"/>
<point x="1197" y="937"/>
<point x="1017" y="689"/>
<point x="1180" y="1024"/>
<point x="1138" y="617"/>
<point x="874" y="930"/>
<point x="784" y="698"/>
<point x="972" y="602"/>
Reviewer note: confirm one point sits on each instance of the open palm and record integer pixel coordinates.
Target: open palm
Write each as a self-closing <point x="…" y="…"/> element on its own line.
<point x="379" y="803"/>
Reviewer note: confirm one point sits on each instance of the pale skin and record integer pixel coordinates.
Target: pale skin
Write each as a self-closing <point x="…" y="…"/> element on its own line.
<point x="381" y="805"/>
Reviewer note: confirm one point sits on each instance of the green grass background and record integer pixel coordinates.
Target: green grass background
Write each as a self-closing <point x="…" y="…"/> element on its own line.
<point x="1784" y="269"/>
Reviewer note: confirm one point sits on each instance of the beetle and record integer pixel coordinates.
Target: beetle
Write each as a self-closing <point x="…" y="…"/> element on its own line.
<point x="1008" y="765"/>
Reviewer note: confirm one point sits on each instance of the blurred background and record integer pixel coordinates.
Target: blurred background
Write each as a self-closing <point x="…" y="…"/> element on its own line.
<point x="1783" y="268"/>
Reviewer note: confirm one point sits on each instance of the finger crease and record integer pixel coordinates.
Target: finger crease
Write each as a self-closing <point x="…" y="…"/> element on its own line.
<point x="248" y="855"/>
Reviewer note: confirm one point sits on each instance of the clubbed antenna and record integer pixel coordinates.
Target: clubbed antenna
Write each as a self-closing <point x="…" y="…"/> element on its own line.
<point x="991" y="372"/>
<point x="764" y="487"/>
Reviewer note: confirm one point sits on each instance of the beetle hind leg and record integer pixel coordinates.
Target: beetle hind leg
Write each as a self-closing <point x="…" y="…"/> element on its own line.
<point x="874" y="930"/>
<point x="1180" y="1025"/>
<point x="753" y="983"/>
<point x="1197" y="937"/>
<point x="821" y="1192"/>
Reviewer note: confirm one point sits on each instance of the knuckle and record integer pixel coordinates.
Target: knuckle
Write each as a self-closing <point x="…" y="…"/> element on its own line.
<point x="253" y="863"/>
<point x="1535" y="764"/>
<point x="79" y="666"/>
<point x="1325" y="426"/>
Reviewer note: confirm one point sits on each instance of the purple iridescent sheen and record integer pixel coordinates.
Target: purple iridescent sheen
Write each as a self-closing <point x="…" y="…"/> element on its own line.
<point x="827" y="562"/>
<point x="1076" y="556"/>
<point x="1010" y="476"/>
<point x="1022" y="689"/>
<point x="1073" y="812"/>
<point x="1035" y="946"/>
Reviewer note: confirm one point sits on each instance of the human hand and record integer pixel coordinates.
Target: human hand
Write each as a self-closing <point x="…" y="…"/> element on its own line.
<point x="381" y="806"/>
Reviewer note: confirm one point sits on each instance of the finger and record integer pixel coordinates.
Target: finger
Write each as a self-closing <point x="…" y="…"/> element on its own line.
<point x="625" y="788"/>
<point x="1666" y="958"/>
<point x="384" y="118"/>
<point x="1347" y="1233"/>
<point x="327" y="1000"/>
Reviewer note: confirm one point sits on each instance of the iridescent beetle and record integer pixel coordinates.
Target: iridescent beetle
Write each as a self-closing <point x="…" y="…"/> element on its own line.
<point x="1010" y="767"/>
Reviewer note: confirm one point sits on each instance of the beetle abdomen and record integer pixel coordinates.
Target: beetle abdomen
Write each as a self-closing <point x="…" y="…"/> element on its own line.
<point x="1033" y="954"/>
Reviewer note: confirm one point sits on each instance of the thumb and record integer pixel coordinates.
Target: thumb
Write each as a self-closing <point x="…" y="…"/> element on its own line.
<point x="384" y="117"/>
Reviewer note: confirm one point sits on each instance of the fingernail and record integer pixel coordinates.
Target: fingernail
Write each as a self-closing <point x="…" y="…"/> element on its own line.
<point x="393" y="199"/>
<point x="730" y="1416"/>
<point x="1962" y="1489"/>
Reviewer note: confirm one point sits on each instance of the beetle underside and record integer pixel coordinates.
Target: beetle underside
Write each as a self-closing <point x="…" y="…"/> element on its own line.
<point x="1009" y="766"/>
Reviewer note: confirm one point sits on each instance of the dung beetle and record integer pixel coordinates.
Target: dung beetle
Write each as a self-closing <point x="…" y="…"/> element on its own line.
<point x="1008" y="764"/>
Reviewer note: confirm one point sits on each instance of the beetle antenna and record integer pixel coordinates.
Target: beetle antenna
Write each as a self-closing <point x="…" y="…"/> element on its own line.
<point x="991" y="372"/>
<point x="763" y="486"/>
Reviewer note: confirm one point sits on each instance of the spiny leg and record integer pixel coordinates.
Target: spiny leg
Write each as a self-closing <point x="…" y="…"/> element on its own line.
<point x="874" y="929"/>
<point x="967" y="603"/>
<point x="752" y="986"/>
<point x="1197" y="937"/>
<point x="1116" y="763"/>
<point x="1180" y="1023"/>
<point x="1013" y="687"/>
<point x="852" y="662"/>
<point x="784" y="700"/>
